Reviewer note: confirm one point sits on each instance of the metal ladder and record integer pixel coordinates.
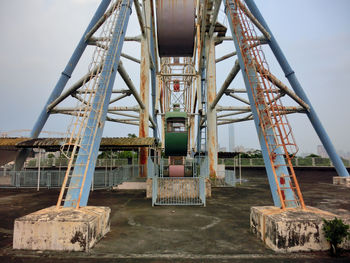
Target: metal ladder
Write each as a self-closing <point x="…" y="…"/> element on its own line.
<point x="272" y="114"/>
<point x="79" y="145"/>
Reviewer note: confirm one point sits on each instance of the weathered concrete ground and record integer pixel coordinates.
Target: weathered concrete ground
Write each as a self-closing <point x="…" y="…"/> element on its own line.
<point x="142" y="233"/>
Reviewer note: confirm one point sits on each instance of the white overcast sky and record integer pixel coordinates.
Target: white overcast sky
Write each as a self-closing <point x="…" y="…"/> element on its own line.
<point x="38" y="37"/>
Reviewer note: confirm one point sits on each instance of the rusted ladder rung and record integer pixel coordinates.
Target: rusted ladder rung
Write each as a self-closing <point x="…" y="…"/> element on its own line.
<point x="284" y="188"/>
<point x="294" y="200"/>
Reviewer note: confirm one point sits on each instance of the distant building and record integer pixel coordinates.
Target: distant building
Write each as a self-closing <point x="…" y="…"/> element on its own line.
<point x="343" y="154"/>
<point x="222" y="149"/>
<point x="239" y="148"/>
<point x="321" y="151"/>
<point x="231" y="138"/>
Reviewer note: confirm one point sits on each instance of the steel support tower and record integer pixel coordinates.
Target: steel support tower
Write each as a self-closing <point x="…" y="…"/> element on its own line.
<point x="178" y="66"/>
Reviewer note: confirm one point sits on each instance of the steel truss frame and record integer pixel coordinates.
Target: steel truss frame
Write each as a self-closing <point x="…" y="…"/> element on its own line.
<point x="197" y="93"/>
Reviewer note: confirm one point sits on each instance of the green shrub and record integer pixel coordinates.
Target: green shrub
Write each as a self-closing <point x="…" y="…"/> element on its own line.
<point x="335" y="232"/>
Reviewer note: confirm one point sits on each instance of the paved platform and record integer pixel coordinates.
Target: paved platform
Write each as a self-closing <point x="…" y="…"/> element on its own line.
<point x="219" y="232"/>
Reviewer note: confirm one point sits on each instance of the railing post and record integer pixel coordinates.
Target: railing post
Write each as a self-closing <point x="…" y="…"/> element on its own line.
<point x="234" y="165"/>
<point x="105" y="180"/>
<point x="48" y="180"/>
<point x="154" y="190"/>
<point x="18" y="178"/>
<point x="38" y="186"/>
<point x="240" y="169"/>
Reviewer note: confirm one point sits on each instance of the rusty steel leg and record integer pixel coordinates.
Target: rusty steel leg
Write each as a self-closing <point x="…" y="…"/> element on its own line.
<point x="194" y="102"/>
<point x="144" y="88"/>
<point x="211" y="113"/>
<point x="199" y="101"/>
<point x="191" y="135"/>
<point x="163" y="131"/>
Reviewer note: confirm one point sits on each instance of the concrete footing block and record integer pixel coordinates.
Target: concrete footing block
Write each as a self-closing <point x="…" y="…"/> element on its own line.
<point x="341" y="180"/>
<point x="67" y="229"/>
<point x="168" y="188"/>
<point x="131" y="186"/>
<point x="292" y="230"/>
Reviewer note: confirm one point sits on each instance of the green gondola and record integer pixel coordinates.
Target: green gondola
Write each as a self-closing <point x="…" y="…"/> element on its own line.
<point x="176" y="133"/>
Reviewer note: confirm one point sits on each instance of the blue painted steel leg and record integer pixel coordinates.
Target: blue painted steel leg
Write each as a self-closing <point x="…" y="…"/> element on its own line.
<point x="289" y="194"/>
<point x="290" y="75"/>
<point x="65" y="76"/>
<point x="90" y="143"/>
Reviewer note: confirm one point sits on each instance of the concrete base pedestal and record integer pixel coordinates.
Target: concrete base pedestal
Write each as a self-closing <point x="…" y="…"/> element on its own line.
<point x="168" y="191"/>
<point x="341" y="180"/>
<point x="62" y="229"/>
<point x="292" y="230"/>
<point x="131" y="186"/>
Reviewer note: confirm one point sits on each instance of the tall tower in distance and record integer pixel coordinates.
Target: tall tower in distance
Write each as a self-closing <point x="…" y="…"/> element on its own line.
<point x="321" y="151"/>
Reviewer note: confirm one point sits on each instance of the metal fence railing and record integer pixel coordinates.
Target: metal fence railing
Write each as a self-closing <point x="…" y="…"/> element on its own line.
<point x="53" y="178"/>
<point x="63" y="162"/>
<point x="245" y="162"/>
<point x="188" y="190"/>
<point x="178" y="190"/>
<point x="225" y="178"/>
<point x="297" y="162"/>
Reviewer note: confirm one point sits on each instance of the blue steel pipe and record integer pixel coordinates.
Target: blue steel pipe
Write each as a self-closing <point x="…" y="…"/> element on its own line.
<point x="290" y="75"/>
<point x="61" y="83"/>
<point x="105" y="86"/>
<point x="67" y="72"/>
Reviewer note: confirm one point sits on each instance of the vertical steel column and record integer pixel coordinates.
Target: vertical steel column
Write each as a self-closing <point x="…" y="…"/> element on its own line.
<point x="61" y="83"/>
<point x="199" y="135"/>
<point x="163" y="130"/>
<point x="203" y="96"/>
<point x="153" y="77"/>
<point x="253" y="75"/>
<point x="153" y="94"/>
<point x="201" y="99"/>
<point x="144" y="86"/>
<point x="211" y="113"/>
<point x="192" y="133"/>
<point x="199" y="103"/>
<point x="290" y="75"/>
<point x="88" y="153"/>
<point x="192" y="111"/>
